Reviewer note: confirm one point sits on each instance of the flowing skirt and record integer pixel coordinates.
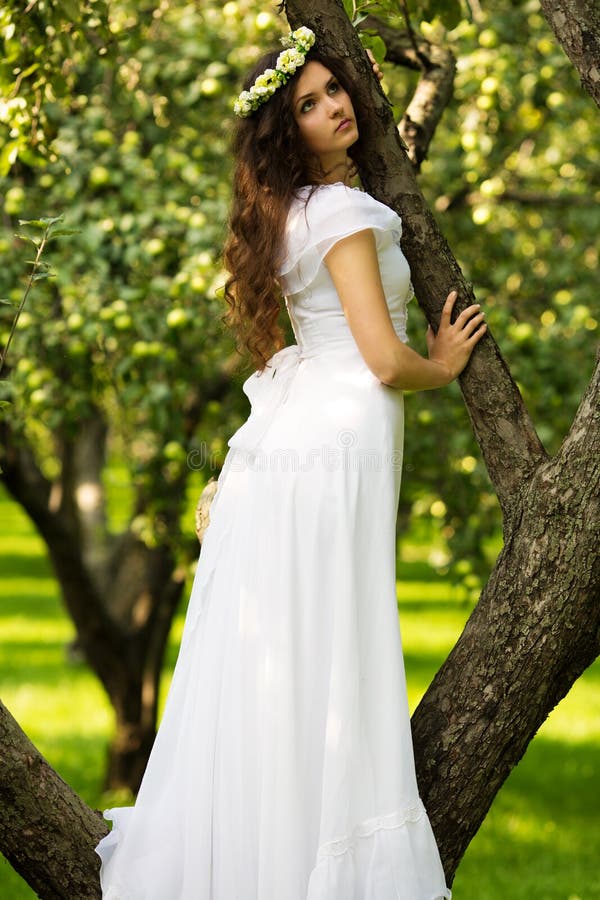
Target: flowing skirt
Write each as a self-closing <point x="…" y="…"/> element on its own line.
<point x="283" y="766"/>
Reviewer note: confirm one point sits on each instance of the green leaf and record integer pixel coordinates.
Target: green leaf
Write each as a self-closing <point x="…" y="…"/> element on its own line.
<point x="40" y="276"/>
<point x="25" y="237"/>
<point x="349" y="8"/>
<point x="71" y="8"/>
<point x="62" y="231"/>
<point x="452" y="14"/>
<point x="449" y="12"/>
<point x="9" y="302"/>
<point x="44" y="222"/>
<point x="375" y="44"/>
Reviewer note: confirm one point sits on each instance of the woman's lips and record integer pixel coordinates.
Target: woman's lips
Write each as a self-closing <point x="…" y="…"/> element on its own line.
<point x="344" y="124"/>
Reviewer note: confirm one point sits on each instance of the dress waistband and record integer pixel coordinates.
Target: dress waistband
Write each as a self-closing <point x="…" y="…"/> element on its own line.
<point x="266" y="390"/>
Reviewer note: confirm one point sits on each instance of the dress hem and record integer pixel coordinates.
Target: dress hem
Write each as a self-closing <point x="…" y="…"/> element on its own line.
<point x="368" y="828"/>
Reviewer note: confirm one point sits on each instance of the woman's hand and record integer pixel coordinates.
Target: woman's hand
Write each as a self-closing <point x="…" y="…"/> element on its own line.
<point x="454" y="342"/>
<point x="376" y="70"/>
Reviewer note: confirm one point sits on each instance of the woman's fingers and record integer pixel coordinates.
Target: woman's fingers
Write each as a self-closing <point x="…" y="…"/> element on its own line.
<point x="474" y="322"/>
<point x="376" y="70"/>
<point x="448" y="307"/>
<point x="468" y="328"/>
<point x="477" y="334"/>
<point x="467" y="314"/>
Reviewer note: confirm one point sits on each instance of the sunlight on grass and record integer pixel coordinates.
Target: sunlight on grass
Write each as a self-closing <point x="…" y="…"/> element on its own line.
<point x="539" y="839"/>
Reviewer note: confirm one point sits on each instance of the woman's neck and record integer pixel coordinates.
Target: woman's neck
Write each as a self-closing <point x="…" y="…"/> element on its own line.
<point x="334" y="171"/>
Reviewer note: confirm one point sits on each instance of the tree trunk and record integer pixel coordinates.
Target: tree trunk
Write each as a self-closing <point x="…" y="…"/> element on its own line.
<point x="434" y="90"/>
<point x="576" y="24"/>
<point x="537" y="624"/>
<point x="126" y="652"/>
<point x="47" y="833"/>
<point x="534" y="631"/>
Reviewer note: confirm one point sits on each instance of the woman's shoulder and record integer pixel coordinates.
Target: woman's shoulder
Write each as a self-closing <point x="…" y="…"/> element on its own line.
<point x="321" y="216"/>
<point x="315" y="207"/>
<point x="316" y="197"/>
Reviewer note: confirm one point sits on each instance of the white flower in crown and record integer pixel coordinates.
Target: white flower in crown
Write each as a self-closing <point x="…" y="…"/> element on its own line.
<point x="299" y="43"/>
<point x="243" y="105"/>
<point x="289" y="60"/>
<point x="268" y="79"/>
<point x="303" y="37"/>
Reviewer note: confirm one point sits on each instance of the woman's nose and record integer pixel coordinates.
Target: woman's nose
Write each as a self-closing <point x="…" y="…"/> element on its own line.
<point x="335" y="105"/>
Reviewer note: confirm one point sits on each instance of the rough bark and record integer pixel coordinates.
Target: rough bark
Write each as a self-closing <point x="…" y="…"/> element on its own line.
<point x="47" y="833"/>
<point x="576" y="24"/>
<point x="535" y="629"/>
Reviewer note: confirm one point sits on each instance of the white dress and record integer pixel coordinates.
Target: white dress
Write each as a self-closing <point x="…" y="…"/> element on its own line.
<point x="283" y="766"/>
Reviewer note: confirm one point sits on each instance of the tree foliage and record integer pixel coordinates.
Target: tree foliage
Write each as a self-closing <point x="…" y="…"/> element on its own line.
<point x="119" y="355"/>
<point x="139" y="129"/>
<point x="131" y="145"/>
<point x="513" y="181"/>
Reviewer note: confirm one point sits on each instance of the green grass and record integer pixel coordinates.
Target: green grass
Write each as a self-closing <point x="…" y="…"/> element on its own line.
<point x="540" y="840"/>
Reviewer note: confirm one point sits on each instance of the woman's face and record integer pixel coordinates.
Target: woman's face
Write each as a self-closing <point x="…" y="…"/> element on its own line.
<point x="325" y="117"/>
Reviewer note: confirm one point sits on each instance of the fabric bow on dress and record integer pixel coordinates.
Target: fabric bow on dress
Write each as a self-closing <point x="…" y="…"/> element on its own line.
<point x="266" y="390"/>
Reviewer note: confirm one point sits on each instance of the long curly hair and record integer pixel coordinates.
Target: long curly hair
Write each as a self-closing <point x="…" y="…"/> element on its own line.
<point x="272" y="163"/>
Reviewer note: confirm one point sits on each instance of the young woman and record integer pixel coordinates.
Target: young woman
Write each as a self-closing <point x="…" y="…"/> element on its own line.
<point x="283" y="767"/>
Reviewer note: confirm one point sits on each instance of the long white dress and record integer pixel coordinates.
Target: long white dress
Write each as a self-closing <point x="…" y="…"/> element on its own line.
<point x="283" y="766"/>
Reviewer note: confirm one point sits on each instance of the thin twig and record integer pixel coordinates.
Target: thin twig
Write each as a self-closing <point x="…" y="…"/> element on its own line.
<point x="410" y="30"/>
<point x="35" y="266"/>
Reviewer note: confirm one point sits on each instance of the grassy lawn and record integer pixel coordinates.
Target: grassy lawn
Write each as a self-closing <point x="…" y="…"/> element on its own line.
<point x="540" y="840"/>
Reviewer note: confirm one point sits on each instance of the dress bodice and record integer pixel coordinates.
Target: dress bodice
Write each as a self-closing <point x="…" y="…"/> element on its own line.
<point x="331" y="213"/>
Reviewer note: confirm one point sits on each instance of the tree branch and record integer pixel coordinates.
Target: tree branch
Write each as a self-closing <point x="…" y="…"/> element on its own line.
<point x="100" y="634"/>
<point x="535" y="629"/>
<point x="47" y="833"/>
<point x="514" y="195"/>
<point x="576" y="24"/>
<point x="537" y="624"/>
<point x="433" y="91"/>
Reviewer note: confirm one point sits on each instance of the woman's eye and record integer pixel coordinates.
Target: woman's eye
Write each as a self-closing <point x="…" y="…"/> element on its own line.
<point x="334" y="87"/>
<point x="306" y="106"/>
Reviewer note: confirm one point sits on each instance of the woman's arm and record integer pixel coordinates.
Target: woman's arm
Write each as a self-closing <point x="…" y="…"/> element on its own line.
<point x="354" y="270"/>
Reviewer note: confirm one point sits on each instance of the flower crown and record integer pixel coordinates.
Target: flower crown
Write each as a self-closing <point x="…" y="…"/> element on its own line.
<point x="299" y="43"/>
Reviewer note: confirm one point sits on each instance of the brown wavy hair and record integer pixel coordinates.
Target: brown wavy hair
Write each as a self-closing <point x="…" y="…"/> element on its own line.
<point x="272" y="163"/>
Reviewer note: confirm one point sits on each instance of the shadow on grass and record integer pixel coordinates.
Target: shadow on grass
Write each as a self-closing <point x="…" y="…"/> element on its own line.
<point x="35" y="606"/>
<point x="426" y="605"/>
<point x="575" y="772"/>
<point x="37" y="662"/>
<point x="541" y="835"/>
<point x="26" y="565"/>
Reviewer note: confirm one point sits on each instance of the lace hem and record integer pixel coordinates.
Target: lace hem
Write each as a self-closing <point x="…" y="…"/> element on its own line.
<point x="369" y="827"/>
<point x="393" y="855"/>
